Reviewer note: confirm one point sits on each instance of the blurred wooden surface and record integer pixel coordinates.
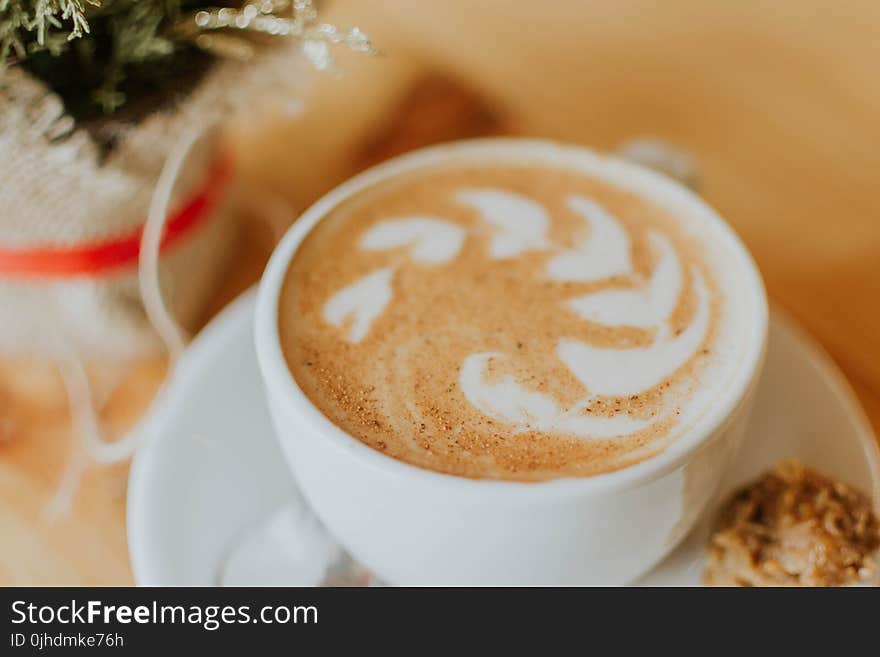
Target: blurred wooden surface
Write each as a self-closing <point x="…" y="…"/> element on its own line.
<point x="778" y="100"/>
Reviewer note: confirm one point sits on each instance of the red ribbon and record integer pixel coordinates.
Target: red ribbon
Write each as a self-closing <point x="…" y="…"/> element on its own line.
<point x="104" y="256"/>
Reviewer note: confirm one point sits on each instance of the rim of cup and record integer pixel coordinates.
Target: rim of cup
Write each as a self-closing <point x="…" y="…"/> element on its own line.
<point x="658" y="188"/>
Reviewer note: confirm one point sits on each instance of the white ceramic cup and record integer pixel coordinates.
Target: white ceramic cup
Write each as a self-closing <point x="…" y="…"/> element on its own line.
<point x="416" y="526"/>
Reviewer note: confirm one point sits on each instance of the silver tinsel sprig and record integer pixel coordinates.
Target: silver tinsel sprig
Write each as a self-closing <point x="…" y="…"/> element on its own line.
<point x="224" y="31"/>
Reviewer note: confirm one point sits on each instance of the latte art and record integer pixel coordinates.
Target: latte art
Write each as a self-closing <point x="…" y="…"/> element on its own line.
<point x="515" y="322"/>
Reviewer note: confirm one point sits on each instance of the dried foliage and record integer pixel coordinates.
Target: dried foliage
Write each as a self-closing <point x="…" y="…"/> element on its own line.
<point x="100" y="56"/>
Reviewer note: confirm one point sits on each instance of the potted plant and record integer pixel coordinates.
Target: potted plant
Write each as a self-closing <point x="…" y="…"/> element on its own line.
<point x="97" y="97"/>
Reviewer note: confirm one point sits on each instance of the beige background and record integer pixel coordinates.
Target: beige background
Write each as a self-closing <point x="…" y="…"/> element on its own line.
<point x="778" y="101"/>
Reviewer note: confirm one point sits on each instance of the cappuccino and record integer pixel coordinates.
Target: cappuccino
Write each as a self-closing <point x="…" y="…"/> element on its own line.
<point x="520" y="319"/>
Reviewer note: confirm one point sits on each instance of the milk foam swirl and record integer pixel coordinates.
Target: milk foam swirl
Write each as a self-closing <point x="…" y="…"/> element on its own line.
<point x="518" y="224"/>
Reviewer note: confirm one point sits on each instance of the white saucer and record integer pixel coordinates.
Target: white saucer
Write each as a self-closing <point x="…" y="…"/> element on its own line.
<point x="212" y="474"/>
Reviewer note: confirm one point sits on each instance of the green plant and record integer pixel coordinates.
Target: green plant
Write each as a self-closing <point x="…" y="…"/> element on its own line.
<point x="102" y="56"/>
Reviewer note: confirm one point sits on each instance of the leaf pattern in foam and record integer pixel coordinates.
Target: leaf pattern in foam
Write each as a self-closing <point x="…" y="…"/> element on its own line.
<point x="508" y="400"/>
<point x="602" y="253"/>
<point x="360" y="303"/>
<point x="645" y="307"/>
<point x="520" y="224"/>
<point x="624" y="372"/>
<point x="432" y="240"/>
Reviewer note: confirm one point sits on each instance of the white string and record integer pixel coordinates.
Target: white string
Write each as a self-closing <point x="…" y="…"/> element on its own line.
<point x="160" y="317"/>
<point x="86" y="425"/>
<point x="85" y="418"/>
<point x="164" y="323"/>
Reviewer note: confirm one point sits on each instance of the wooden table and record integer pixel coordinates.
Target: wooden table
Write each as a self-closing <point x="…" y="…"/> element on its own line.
<point x="779" y="101"/>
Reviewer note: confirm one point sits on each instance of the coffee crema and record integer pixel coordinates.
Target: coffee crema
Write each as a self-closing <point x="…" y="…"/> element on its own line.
<point x="518" y="321"/>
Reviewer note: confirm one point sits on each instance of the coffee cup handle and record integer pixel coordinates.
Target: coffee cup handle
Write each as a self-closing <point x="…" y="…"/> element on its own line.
<point x="663" y="157"/>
